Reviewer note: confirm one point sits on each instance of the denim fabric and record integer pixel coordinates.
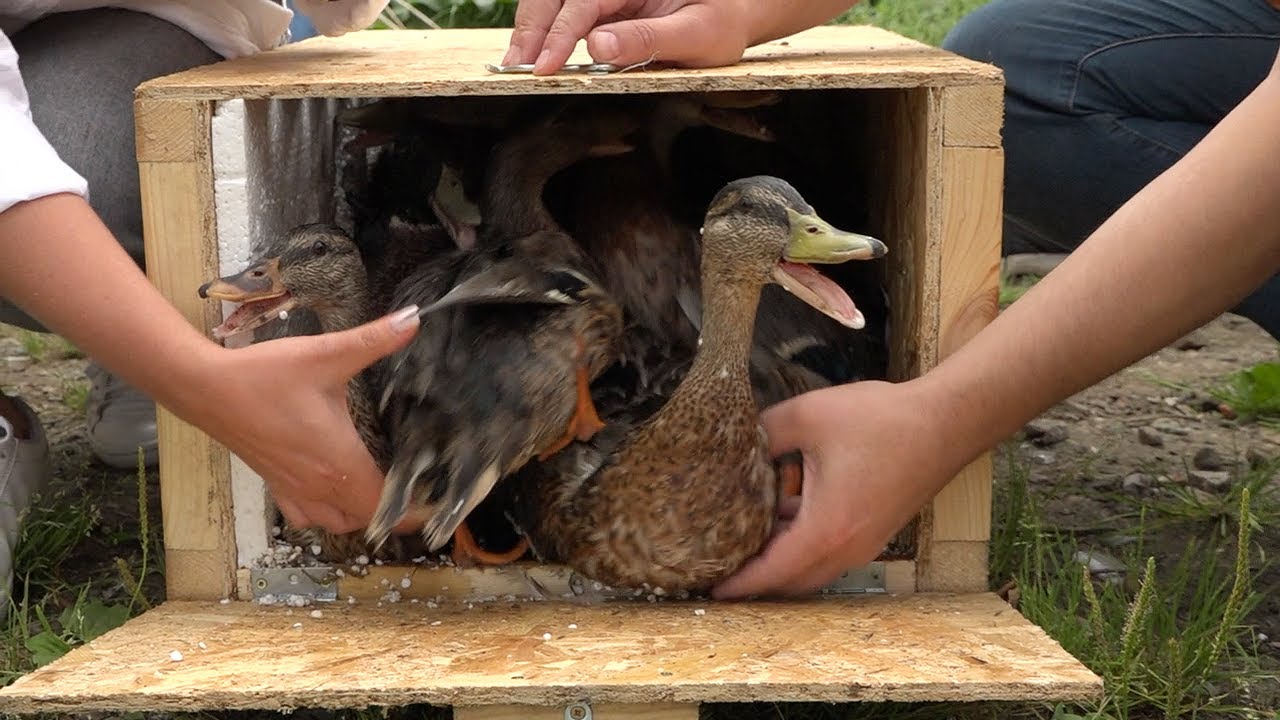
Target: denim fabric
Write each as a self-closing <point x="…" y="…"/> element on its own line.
<point x="1104" y="95"/>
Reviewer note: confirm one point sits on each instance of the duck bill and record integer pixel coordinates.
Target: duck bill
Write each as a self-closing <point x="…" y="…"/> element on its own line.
<point x="814" y="240"/>
<point x="260" y="292"/>
<point x="820" y="292"/>
<point x="459" y="215"/>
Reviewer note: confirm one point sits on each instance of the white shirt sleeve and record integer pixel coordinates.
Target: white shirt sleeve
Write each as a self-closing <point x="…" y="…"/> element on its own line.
<point x="338" y="17"/>
<point x="29" y="166"/>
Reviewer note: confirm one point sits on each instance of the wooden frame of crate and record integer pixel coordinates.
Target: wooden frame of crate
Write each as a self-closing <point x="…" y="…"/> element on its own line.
<point x="921" y="628"/>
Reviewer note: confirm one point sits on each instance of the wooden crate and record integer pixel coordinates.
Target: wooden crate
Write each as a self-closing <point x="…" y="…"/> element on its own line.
<point x="222" y="149"/>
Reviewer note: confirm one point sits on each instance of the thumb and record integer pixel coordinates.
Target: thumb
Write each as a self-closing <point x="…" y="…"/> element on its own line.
<point x="691" y="36"/>
<point x="351" y="351"/>
<point x="785" y="425"/>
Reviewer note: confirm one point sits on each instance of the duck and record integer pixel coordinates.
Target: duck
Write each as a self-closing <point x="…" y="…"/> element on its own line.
<point x="513" y="334"/>
<point x="626" y="215"/>
<point x="317" y="267"/>
<point x="676" y="492"/>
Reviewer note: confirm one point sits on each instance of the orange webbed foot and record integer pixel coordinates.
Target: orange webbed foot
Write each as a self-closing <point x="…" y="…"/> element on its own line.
<point x="468" y="553"/>
<point x="585" y="422"/>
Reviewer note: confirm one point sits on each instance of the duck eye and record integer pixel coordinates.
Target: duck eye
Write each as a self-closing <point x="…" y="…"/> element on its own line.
<point x="812" y="230"/>
<point x="319" y="247"/>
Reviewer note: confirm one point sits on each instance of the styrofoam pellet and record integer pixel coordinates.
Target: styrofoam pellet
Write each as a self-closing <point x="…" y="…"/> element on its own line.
<point x="317" y="614"/>
<point x="699" y="612"/>
<point x="546" y="636"/>
<point x="175" y="656"/>
<point x="202" y="646"/>
<point x="573" y="626"/>
<point x="297" y="625"/>
<point x="406" y="583"/>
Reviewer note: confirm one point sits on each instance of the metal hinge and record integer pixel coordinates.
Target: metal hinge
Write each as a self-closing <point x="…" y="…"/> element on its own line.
<point x="317" y="583"/>
<point x="866" y="579"/>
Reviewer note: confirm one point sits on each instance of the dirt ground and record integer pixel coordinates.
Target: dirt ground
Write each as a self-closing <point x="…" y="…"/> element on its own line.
<point x="1127" y="441"/>
<point x="1143" y="436"/>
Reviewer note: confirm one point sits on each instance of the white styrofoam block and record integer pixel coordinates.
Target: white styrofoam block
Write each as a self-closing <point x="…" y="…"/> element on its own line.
<point x="228" y="131"/>
<point x="249" y="500"/>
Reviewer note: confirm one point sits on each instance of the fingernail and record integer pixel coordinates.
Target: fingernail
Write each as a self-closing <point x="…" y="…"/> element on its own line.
<point x="541" y="64"/>
<point x="606" y="46"/>
<point x="510" y="57"/>
<point x="405" y="318"/>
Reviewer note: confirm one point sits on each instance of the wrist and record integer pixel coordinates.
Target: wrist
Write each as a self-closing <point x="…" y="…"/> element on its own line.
<point x="182" y="374"/>
<point x="949" y="414"/>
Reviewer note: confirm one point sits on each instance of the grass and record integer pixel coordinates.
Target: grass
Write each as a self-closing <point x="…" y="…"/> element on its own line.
<point x="1169" y="642"/>
<point x="51" y="615"/>
<point x="1254" y="393"/>
<point x="44" y="346"/>
<point x="928" y="21"/>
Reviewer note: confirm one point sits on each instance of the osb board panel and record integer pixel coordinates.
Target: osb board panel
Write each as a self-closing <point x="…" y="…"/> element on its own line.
<point x="375" y="63"/>
<point x="654" y="711"/>
<point x="917" y="648"/>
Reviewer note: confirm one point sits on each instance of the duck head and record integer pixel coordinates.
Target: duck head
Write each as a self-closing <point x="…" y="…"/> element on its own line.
<point x="760" y="230"/>
<point x="316" y="266"/>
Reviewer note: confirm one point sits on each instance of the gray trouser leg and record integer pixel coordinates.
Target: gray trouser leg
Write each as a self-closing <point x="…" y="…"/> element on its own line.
<point x="80" y="70"/>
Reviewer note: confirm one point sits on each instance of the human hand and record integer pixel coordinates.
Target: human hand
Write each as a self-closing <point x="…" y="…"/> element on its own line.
<point x="874" y="454"/>
<point x="339" y="17"/>
<point x="284" y="412"/>
<point x="694" y="33"/>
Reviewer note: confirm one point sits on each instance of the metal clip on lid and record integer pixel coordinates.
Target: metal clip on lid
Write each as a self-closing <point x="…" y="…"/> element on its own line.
<point x="588" y="68"/>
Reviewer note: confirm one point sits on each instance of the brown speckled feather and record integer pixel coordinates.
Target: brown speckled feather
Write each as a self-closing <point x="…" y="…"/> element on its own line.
<point x="489" y="381"/>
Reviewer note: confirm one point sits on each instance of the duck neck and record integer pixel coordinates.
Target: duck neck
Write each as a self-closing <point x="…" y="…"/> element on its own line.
<point x="724" y="345"/>
<point x="347" y="310"/>
<point x="517" y="179"/>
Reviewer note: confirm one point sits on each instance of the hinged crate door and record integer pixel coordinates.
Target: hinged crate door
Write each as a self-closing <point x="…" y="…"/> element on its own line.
<point x="927" y="647"/>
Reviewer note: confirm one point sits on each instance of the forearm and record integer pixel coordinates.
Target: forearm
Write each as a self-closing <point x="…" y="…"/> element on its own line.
<point x="1188" y="247"/>
<point x="773" y="19"/>
<point x="59" y="263"/>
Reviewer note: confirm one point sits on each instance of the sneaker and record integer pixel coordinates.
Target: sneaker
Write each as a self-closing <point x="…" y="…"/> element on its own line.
<point x="120" y="419"/>
<point x="24" y="471"/>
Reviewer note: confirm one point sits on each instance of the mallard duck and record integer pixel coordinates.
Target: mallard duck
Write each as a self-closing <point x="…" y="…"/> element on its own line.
<point x="679" y="498"/>
<point x="316" y="267"/>
<point x="512" y="336"/>
<point x="626" y="217"/>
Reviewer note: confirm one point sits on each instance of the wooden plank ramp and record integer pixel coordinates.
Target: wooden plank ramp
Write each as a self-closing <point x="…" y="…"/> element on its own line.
<point x="928" y="647"/>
